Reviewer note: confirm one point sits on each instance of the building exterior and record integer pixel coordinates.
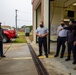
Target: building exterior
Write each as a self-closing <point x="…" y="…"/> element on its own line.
<point x="51" y="12"/>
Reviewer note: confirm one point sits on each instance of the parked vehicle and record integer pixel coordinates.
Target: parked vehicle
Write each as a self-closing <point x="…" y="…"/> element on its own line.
<point x="8" y="34"/>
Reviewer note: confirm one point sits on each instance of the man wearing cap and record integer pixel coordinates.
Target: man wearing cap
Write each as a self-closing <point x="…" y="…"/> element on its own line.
<point x="62" y="34"/>
<point x="1" y="41"/>
<point x="42" y="33"/>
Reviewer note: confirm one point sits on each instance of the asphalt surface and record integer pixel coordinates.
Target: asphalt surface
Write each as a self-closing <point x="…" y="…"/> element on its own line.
<point x="18" y="61"/>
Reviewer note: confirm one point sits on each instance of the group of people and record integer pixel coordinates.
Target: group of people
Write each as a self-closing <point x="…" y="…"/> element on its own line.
<point x="64" y="34"/>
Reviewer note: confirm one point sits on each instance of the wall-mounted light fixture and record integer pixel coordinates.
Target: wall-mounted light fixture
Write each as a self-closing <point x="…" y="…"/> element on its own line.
<point x="74" y="4"/>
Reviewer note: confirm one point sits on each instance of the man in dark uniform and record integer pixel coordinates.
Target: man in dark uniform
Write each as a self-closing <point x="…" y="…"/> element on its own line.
<point x="71" y="40"/>
<point x="42" y="33"/>
<point x="74" y="50"/>
<point x="1" y="41"/>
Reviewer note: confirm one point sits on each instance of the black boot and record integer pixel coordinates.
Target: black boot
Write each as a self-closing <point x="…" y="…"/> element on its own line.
<point x="74" y="62"/>
<point x="56" y="56"/>
<point x="46" y="56"/>
<point x="67" y="59"/>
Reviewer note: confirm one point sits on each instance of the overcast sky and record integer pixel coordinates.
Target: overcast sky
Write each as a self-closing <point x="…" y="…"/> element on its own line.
<point x="7" y="12"/>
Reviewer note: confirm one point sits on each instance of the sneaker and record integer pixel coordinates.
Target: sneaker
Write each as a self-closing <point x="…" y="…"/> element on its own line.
<point x="67" y="59"/>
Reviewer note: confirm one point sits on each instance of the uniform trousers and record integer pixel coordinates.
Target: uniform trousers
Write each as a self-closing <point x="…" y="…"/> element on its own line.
<point x="1" y="48"/>
<point x="42" y="41"/>
<point x="61" y="42"/>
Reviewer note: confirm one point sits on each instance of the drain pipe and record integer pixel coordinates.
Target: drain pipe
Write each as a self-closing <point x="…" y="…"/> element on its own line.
<point x="49" y="26"/>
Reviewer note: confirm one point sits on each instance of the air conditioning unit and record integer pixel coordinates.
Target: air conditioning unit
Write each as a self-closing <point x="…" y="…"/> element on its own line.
<point x="69" y="14"/>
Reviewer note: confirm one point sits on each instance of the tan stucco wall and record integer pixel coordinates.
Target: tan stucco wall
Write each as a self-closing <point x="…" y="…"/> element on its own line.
<point x="38" y="15"/>
<point x="46" y="10"/>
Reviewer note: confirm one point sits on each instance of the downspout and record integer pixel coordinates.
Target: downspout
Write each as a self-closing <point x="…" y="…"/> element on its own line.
<point x="49" y="26"/>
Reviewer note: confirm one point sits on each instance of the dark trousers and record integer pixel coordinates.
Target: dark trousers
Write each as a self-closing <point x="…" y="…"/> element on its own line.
<point x="74" y="53"/>
<point x="61" y="42"/>
<point x="42" y="41"/>
<point x="70" y="49"/>
<point x="1" y="48"/>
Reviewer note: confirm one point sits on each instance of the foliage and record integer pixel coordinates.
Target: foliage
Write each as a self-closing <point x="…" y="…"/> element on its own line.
<point x="21" y="38"/>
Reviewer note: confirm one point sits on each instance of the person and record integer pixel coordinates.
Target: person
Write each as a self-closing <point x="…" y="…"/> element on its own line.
<point x="61" y="34"/>
<point x="1" y="41"/>
<point x="70" y="38"/>
<point x="42" y="33"/>
<point x="74" y="49"/>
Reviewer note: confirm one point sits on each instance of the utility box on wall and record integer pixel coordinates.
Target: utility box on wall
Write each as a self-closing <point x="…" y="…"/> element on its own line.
<point x="27" y="31"/>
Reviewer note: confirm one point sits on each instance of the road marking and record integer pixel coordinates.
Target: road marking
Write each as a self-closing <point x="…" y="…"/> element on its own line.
<point x="26" y="58"/>
<point x="52" y="56"/>
<point x="19" y="58"/>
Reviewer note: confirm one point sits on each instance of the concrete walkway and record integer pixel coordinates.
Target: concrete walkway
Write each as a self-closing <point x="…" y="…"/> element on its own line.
<point x="18" y="61"/>
<point x="56" y="66"/>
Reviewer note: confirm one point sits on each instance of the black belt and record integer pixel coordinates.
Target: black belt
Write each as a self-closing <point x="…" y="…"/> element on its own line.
<point x="42" y="37"/>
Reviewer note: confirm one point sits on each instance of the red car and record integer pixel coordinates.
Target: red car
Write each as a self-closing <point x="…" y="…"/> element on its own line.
<point x="8" y="34"/>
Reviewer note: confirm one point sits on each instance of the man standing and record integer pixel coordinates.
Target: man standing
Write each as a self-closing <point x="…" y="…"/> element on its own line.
<point x="62" y="34"/>
<point x="42" y="33"/>
<point x="74" y="53"/>
<point x="1" y="41"/>
<point x="74" y="50"/>
<point x="70" y="39"/>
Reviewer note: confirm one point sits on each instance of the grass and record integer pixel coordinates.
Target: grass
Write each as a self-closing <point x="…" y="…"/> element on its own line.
<point x="21" y="38"/>
<point x="31" y="37"/>
<point x="21" y="33"/>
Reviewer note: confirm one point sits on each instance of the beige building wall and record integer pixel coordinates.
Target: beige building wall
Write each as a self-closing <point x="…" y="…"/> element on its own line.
<point x="46" y="10"/>
<point x="58" y="11"/>
<point x="38" y="10"/>
<point x="36" y="16"/>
